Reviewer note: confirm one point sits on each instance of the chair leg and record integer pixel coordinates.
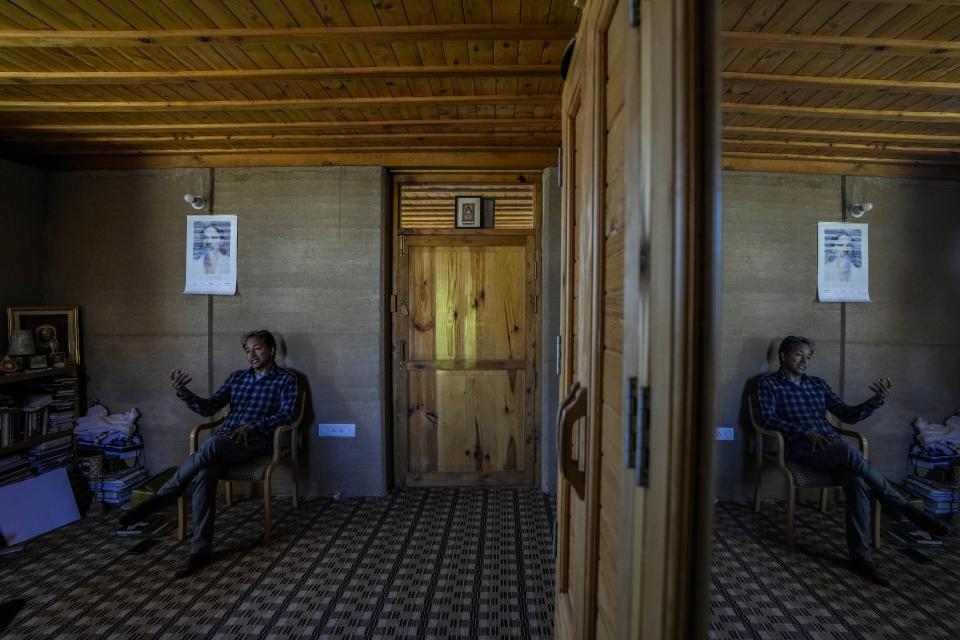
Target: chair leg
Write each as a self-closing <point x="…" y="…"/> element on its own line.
<point x="791" y="511"/>
<point x="294" y="471"/>
<point x="228" y="492"/>
<point x="181" y="518"/>
<point x="876" y="524"/>
<point x="267" y="519"/>
<point x="824" y="499"/>
<point x="756" y="492"/>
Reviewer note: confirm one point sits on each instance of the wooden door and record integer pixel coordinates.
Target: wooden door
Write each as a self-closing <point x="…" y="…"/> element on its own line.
<point x="629" y="559"/>
<point x="466" y="360"/>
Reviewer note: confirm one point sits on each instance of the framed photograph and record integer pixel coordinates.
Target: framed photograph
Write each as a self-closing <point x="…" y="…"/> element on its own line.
<point x="37" y="362"/>
<point x="469" y="212"/>
<point x="489" y="213"/>
<point x="54" y="328"/>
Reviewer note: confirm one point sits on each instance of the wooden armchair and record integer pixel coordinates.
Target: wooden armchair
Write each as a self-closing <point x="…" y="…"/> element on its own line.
<point x="770" y="452"/>
<point x="286" y="446"/>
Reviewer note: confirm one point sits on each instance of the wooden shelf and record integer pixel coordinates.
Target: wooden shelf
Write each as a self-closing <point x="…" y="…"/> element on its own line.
<point x="32" y="442"/>
<point x="51" y="372"/>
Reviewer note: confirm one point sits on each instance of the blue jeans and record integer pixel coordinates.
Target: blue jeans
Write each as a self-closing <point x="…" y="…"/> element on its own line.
<point x="205" y="467"/>
<point x="861" y="484"/>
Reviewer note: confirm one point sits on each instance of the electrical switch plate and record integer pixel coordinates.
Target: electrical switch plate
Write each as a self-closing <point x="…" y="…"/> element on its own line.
<point x="328" y="430"/>
<point x="725" y="433"/>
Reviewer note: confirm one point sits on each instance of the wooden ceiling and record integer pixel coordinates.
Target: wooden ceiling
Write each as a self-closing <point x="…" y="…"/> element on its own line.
<point x="842" y="87"/>
<point x="808" y="85"/>
<point x="141" y="83"/>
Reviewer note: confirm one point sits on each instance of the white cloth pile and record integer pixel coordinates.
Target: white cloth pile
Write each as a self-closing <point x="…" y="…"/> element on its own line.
<point x="97" y="422"/>
<point x="933" y="434"/>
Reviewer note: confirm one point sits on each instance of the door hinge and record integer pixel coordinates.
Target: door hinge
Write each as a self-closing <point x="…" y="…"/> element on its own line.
<point x="393" y="303"/>
<point x="536" y="269"/>
<point x="636" y="431"/>
<point x="633" y="13"/>
<point x="533" y="302"/>
<point x="560" y="166"/>
<point x="402" y="350"/>
<point x="403" y="249"/>
<point x="559" y="353"/>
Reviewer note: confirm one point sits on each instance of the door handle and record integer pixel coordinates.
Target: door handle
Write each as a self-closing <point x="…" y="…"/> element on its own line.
<point x="574" y="407"/>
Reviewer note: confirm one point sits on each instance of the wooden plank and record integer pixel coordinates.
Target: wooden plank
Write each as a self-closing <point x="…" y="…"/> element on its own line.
<point x="422" y="423"/>
<point x="267" y="105"/>
<point x="881" y="149"/>
<point x="499" y="302"/>
<point x="839" y="44"/>
<point x="843" y="114"/>
<point x="838" y="158"/>
<point x="453" y="448"/>
<point x="445" y="160"/>
<point x="844" y="83"/>
<point x="284" y="36"/>
<point x="22" y="78"/>
<point x="884" y="136"/>
<point x="774" y="163"/>
<point x="106" y="127"/>
<point x="421" y="303"/>
<point x="493" y="415"/>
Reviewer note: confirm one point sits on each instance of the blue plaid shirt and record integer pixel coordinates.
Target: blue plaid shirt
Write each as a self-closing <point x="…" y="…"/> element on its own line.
<point x="263" y="403"/>
<point x="798" y="408"/>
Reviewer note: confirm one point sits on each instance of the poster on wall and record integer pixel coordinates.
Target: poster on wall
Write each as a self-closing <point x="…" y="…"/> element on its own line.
<point x="211" y="255"/>
<point x="842" y="262"/>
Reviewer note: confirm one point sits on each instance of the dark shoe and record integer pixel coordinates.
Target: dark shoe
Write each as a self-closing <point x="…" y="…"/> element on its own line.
<point x="193" y="563"/>
<point x="139" y="512"/>
<point x="925" y="521"/>
<point x="868" y="570"/>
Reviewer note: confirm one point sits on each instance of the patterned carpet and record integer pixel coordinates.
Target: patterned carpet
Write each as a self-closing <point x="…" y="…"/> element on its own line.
<point x="421" y="563"/>
<point x="763" y="589"/>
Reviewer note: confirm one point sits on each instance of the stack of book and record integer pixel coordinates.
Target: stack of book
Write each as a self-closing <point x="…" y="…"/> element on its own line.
<point x="115" y="487"/>
<point x="939" y="498"/>
<point x="51" y="454"/>
<point x="906" y="534"/>
<point x="10" y="429"/>
<point x="14" y="468"/>
<point x="150" y="527"/>
<point x="64" y="392"/>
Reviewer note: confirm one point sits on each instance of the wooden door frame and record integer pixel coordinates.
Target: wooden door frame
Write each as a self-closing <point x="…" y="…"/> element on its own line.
<point x="399" y="326"/>
<point x="674" y="149"/>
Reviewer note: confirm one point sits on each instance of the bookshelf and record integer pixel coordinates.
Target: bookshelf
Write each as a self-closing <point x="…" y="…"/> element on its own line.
<point x="23" y="433"/>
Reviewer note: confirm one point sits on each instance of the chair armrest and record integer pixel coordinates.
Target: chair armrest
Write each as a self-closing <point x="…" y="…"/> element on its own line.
<point x="195" y="432"/>
<point x="278" y="433"/>
<point x="856" y="435"/>
<point x="778" y="439"/>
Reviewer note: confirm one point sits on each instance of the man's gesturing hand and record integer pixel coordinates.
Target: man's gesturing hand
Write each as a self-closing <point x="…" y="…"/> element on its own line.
<point x="818" y="441"/>
<point x="179" y="381"/>
<point x="881" y="389"/>
<point x="239" y="435"/>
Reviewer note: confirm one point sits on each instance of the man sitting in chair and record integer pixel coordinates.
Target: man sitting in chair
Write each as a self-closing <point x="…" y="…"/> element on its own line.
<point x="795" y="404"/>
<point x="261" y="398"/>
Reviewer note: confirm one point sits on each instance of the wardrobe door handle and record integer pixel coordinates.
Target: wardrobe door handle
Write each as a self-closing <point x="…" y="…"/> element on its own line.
<point x="574" y="408"/>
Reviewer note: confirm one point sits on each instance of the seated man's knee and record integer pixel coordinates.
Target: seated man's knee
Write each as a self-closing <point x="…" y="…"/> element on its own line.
<point x="213" y="446"/>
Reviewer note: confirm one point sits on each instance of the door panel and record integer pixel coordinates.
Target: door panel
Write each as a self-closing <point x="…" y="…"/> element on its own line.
<point x="469" y="416"/>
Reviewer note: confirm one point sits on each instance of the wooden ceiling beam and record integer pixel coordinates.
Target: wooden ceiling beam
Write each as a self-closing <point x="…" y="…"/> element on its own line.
<point x="543" y="137"/>
<point x="473" y="123"/>
<point x="446" y="160"/>
<point x="284" y="36"/>
<point x="262" y="75"/>
<point x="890" y="149"/>
<point x="841" y="44"/>
<point x="843" y="84"/>
<point x="274" y="150"/>
<point x="261" y="105"/>
<point x="774" y="164"/>
<point x="843" y="114"/>
<point x="860" y="159"/>
<point x="844" y="135"/>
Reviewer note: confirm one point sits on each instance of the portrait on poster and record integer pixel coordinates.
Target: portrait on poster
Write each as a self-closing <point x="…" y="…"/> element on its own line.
<point x="211" y="252"/>
<point x="842" y="262"/>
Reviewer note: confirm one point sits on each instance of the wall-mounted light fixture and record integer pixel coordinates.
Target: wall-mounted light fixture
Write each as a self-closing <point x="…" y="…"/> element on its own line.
<point x="857" y="210"/>
<point x="197" y="202"/>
